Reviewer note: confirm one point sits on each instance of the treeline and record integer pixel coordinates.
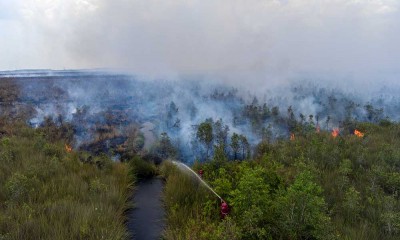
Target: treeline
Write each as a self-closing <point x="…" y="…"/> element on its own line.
<point x="312" y="109"/>
<point x="314" y="186"/>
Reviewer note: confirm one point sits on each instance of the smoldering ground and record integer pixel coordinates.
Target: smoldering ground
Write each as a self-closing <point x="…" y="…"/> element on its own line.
<point x="95" y="101"/>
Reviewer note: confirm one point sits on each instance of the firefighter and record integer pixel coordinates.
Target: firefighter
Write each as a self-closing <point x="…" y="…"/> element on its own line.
<point x="201" y="173"/>
<point x="224" y="209"/>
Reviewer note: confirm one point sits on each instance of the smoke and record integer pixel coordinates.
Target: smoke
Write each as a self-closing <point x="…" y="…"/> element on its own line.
<point x="102" y="106"/>
<point x="256" y="43"/>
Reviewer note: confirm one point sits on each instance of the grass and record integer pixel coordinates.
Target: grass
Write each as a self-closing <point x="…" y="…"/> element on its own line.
<point x="47" y="193"/>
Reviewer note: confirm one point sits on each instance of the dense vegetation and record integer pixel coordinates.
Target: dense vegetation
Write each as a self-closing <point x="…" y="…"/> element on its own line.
<point x="47" y="192"/>
<point x="314" y="186"/>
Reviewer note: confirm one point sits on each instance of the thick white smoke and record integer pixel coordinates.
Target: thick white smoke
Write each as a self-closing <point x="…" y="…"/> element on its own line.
<point x="259" y="42"/>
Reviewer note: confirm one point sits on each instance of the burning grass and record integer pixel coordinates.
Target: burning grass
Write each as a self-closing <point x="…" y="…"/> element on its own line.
<point x="46" y="192"/>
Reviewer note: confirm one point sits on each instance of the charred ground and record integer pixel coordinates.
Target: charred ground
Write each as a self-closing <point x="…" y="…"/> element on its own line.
<point x="103" y="112"/>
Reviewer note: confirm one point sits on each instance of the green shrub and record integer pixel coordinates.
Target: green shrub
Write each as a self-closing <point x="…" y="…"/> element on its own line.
<point x="20" y="187"/>
<point x="141" y="168"/>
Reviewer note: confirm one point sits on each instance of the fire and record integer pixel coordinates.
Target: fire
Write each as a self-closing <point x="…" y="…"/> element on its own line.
<point x="358" y="133"/>
<point x="335" y="132"/>
<point x="68" y="148"/>
<point x="292" y="137"/>
<point x="317" y="129"/>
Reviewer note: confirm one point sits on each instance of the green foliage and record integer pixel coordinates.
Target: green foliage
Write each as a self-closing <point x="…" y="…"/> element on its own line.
<point x="20" y="187"/>
<point x="235" y="144"/>
<point x="219" y="154"/>
<point x="142" y="169"/>
<point x="164" y="148"/>
<point x="205" y="135"/>
<point x="251" y="202"/>
<point x="302" y="210"/>
<point x="351" y="204"/>
<point x="315" y="187"/>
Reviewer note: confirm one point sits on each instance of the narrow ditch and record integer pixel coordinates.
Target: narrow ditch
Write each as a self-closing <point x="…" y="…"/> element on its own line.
<point x="147" y="220"/>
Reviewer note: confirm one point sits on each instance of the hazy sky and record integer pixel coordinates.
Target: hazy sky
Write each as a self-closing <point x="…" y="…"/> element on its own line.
<point x="232" y="39"/>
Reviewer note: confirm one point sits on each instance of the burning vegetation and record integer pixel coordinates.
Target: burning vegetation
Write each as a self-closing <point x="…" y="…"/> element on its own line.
<point x="358" y="133"/>
<point x="298" y="165"/>
<point x="335" y="132"/>
<point x="292" y="137"/>
<point x="68" y="148"/>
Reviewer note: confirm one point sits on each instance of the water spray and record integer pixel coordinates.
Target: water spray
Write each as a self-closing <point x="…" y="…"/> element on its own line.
<point x="184" y="166"/>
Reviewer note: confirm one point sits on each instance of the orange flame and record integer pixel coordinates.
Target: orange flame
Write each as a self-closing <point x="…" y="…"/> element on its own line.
<point x="317" y="129"/>
<point x="68" y="148"/>
<point x="335" y="132"/>
<point x="292" y="137"/>
<point x="358" y="133"/>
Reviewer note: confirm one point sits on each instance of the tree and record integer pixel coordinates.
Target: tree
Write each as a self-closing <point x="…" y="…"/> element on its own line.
<point x="165" y="147"/>
<point x="311" y="119"/>
<point x="205" y="135"/>
<point x="328" y="119"/>
<point x="235" y="145"/>
<point x="302" y="118"/>
<point x="266" y="133"/>
<point x="221" y="134"/>
<point x="219" y="154"/>
<point x="275" y="111"/>
<point x="373" y="115"/>
<point x="251" y="201"/>
<point x="301" y="210"/>
<point x="245" y="146"/>
<point x="266" y="113"/>
<point x="291" y="119"/>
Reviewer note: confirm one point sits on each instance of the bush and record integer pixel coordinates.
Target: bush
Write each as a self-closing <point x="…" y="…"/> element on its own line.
<point x="20" y="187"/>
<point x="142" y="169"/>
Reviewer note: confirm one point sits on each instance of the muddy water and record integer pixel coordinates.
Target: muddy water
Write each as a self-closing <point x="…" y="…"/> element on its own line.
<point x="146" y="221"/>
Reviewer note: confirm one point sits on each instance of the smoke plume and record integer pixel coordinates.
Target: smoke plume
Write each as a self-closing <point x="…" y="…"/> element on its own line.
<point x="261" y="43"/>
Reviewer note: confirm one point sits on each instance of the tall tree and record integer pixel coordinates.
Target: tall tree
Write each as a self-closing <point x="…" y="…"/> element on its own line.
<point x="245" y="146"/>
<point x="235" y="145"/>
<point x="221" y="134"/>
<point x="291" y="119"/>
<point x="205" y="135"/>
<point x="165" y="148"/>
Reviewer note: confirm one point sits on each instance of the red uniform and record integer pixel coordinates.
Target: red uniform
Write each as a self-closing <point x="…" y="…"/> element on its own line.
<point x="224" y="210"/>
<point x="201" y="173"/>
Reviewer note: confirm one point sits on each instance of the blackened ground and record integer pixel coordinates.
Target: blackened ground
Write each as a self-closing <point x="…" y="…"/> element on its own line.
<point x="146" y="220"/>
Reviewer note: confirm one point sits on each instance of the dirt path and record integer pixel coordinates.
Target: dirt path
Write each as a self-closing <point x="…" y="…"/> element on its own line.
<point x="146" y="221"/>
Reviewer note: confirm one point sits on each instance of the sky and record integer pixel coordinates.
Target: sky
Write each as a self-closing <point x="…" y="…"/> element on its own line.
<point x="248" y="41"/>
